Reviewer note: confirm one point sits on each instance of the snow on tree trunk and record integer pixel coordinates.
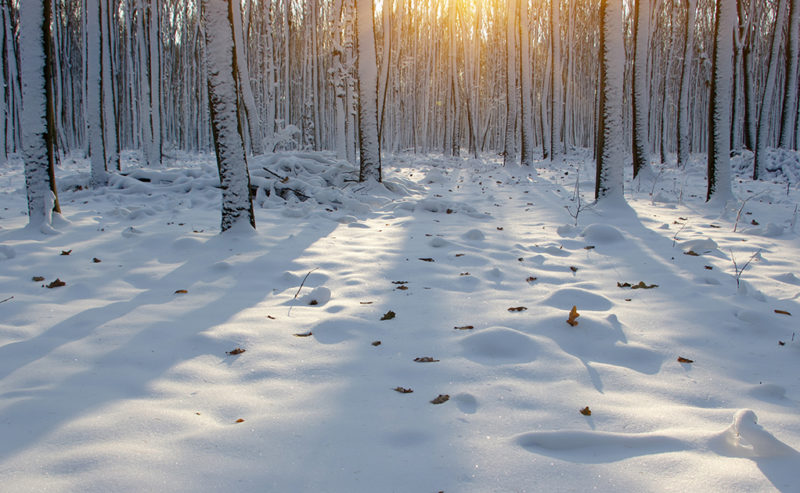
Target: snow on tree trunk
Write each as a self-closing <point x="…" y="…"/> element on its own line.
<point x="94" y="92"/>
<point x="250" y="108"/>
<point x="556" y="80"/>
<point x="370" y="166"/>
<point x="34" y="18"/>
<point x="610" y="156"/>
<point x="510" y="145"/>
<point x="525" y="78"/>
<point x="765" y="114"/>
<point x="237" y="204"/>
<point x="789" y="111"/>
<point x="719" y="136"/>
<point x="110" y="125"/>
<point x="154" y="155"/>
<point x="641" y="36"/>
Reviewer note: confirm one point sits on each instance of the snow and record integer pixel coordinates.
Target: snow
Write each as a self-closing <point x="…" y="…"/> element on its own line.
<point x="122" y="380"/>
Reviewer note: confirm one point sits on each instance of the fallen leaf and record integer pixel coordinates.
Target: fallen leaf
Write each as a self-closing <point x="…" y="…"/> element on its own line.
<point x="708" y="267"/>
<point x="399" y="282"/>
<point x="464" y="327"/>
<point x="573" y="268"/>
<point x="623" y="284"/>
<point x="627" y="299"/>
<point x="781" y="343"/>
<point x="403" y="390"/>
<point x="56" y="284"/>
<point x="313" y="302"/>
<point x="66" y="252"/>
<point x="517" y="309"/>
<point x="464" y="274"/>
<point x="388" y="315"/>
<point x="402" y="287"/>
<point x="365" y="302"/>
<point x="240" y="420"/>
<point x="304" y="334"/>
<point x="427" y="259"/>
<point x="449" y="211"/>
<point x="37" y="279"/>
<point x="181" y="291"/>
<point x="692" y="253"/>
<point x="236" y="351"/>
<point x="589" y="247"/>
<point x="460" y="254"/>
<point x="376" y="343"/>
<point x="586" y="411"/>
<point x="271" y="317"/>
<point x="714" y="226"/>
<point x="441" y="399"/>
<point x="499" y="228"/>
<point x="681" y="359"/>
<point x="683" y="218"/>
<point x="530" y="279"/>
<point x="783" y="312"/>
<point x="573" y="316"/>
<point x="754" y="222"/>
<point x="642" y="285"/>
<point x="96" y="260"/>
<point x="426" y="359"/>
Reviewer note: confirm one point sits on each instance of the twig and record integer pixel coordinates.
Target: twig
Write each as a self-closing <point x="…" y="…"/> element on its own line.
<point x="283" y="179"/>
<point x="675" y="238"/>
<point x="304" y="281"/>
<point x="739" y="271"/>
<point x="739" y="213"/>
<point x="9" y="298"/>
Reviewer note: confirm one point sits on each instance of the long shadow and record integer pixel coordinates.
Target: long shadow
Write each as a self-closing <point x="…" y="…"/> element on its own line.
<point x="152" y="350"/>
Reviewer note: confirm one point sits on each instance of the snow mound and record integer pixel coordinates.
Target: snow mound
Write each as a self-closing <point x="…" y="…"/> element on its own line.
<point x="7" y="252"/>
<point x="566" y="298"/>
<point x="788" y="278"/>
<point x="499" y="345"/>
<point x="702" y="245"/>
<point x="474" y="235"/>
<point x="602" y="234"/>
<point x="746" y="438"/>
<point x="781" y="165"/>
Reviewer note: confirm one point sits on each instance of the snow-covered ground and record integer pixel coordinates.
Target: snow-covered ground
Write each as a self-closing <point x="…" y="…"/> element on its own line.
<point x="123" y="379"/>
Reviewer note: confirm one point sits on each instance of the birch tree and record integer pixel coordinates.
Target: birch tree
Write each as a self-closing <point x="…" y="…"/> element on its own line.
<point x="38" y="113"/>
<point x="369" y="146"/>
<point x="237" y="203"/>
<point x="94" y="93"/>
<point x="610" y="156"/>
<point x="641" y="35"/>
<point x="686" y="73"/>
<point x="789" y="110"/>
<point x="510" y="141"/>
<point x="719" y="145"/>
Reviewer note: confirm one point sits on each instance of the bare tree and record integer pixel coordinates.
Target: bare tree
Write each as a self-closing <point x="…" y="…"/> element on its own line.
<point x="369" y="146"/>
<point x="719" y="168"/>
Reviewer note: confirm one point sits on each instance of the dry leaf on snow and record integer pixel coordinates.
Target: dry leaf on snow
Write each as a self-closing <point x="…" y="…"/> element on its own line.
<point x="464" y="327"/>
<point x="441" y="399"/>
<point x="783" y="312"/>
<point x="56" y="284"/>
<point x="37" y="279"/>
<point x="66" y="252"/>
<point x="304" y="334"/>
<point x="181" y="291"/>
<point x="573" y="316"/>
<point x="517" y="308"/>
<point x="586" y="411"/>
<point x="681" y="359"/>
<point x="426" y="259"/>
<point x="403" y="390"/>
<point x="376" y="343"/>
<point x="388" y="315"/>
<point x="236" y="351"/>
<point x="426" y="359"/>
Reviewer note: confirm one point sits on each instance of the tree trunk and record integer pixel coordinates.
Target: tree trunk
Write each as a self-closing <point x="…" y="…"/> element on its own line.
<point x="243" y="73"/>
<point x="369" y="146"/>
<point x="719" y="144"/>
<point x="237" y="203"/>
<point x="37" y="113"/>
<point x="94" y="92"/>
<point x="510" y="141"/>
<point x="641" y="35"/>
<point x="789" y="111"/>
<point x="610" y="156"/>
<point x="525" y="81"/>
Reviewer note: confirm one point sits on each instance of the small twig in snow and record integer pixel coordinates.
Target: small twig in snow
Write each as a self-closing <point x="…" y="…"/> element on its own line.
<point x="739" y="271"/>
<point x="9" y="298"/>
<point x="304" y="281"/>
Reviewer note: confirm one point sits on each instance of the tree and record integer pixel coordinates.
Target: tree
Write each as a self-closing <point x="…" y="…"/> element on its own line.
<point x="237" y="203"/>
<point x="765" y="114"/>
<point x="369" y="146"/>
<point x="525" y="79"/>
<point x="610" y="156"/>
<point x="641" y="28"/>
<point x="719" y="137"/>
<point x="38" y="113"/>
<point x="94" y="95"/>
<point x="510" y="140"/>
<point x="789" y="112"/>
<point x="686" y="72"/>
<point x="243" y="74"/>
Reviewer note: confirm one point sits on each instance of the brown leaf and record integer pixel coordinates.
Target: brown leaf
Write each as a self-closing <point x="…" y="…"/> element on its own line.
<point x="783" y="312"/>
<point x="449" y="211"/>
<point x="708" y="267"/>
<point x="517" y="309"/>
<point x="427" y="259"/>
<point x="403" y="390"/>
<point x="623" y="284"/>
<point x="781" y="343"/>
<point x="692" y="253"/>
<point x="37" y="279"/>
<point x="236" y="351"/>
<point x="530" y="279"/>
<point x="681" y="359"/>
<point x="56" y="284"/>
<point x="426" y="359"/>
<point x="589" y="247"/>
<point x="573" y="316"/>
<point x="499" y="228"/>
<point x="460" y="254"/>
<point x="441" y="399"/>
<point x="96" y="260"/>
<point x="388" y="315"/>
<point x="240" y="420"/>
<point x="365" y="302"/>
<point x="464" y="274"/>
<point x="66" y="252"/>
<point x="627" y="299"/>
<point x="754" y="222"/>
<point x="683" y="218"/>
<point x="714" y="226"/>
<point x="181" y="291"/>
<point x="464" y="327"/>
<point x="642" y="285"/>
<point x="313" y="302"/>
<point x="399" y="282"/>
<point x="573" y="268"/>
<point x="376" y="343"/>
<point x="271" y="317"/>
<point x="402" y="288"/>
<point x="304" y="334"/>
<point x="586" y="411"/>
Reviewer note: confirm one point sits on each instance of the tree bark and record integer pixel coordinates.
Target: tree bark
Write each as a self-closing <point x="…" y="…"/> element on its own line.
<point x="369" y="146"/>
<point x="719" y="167"/>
